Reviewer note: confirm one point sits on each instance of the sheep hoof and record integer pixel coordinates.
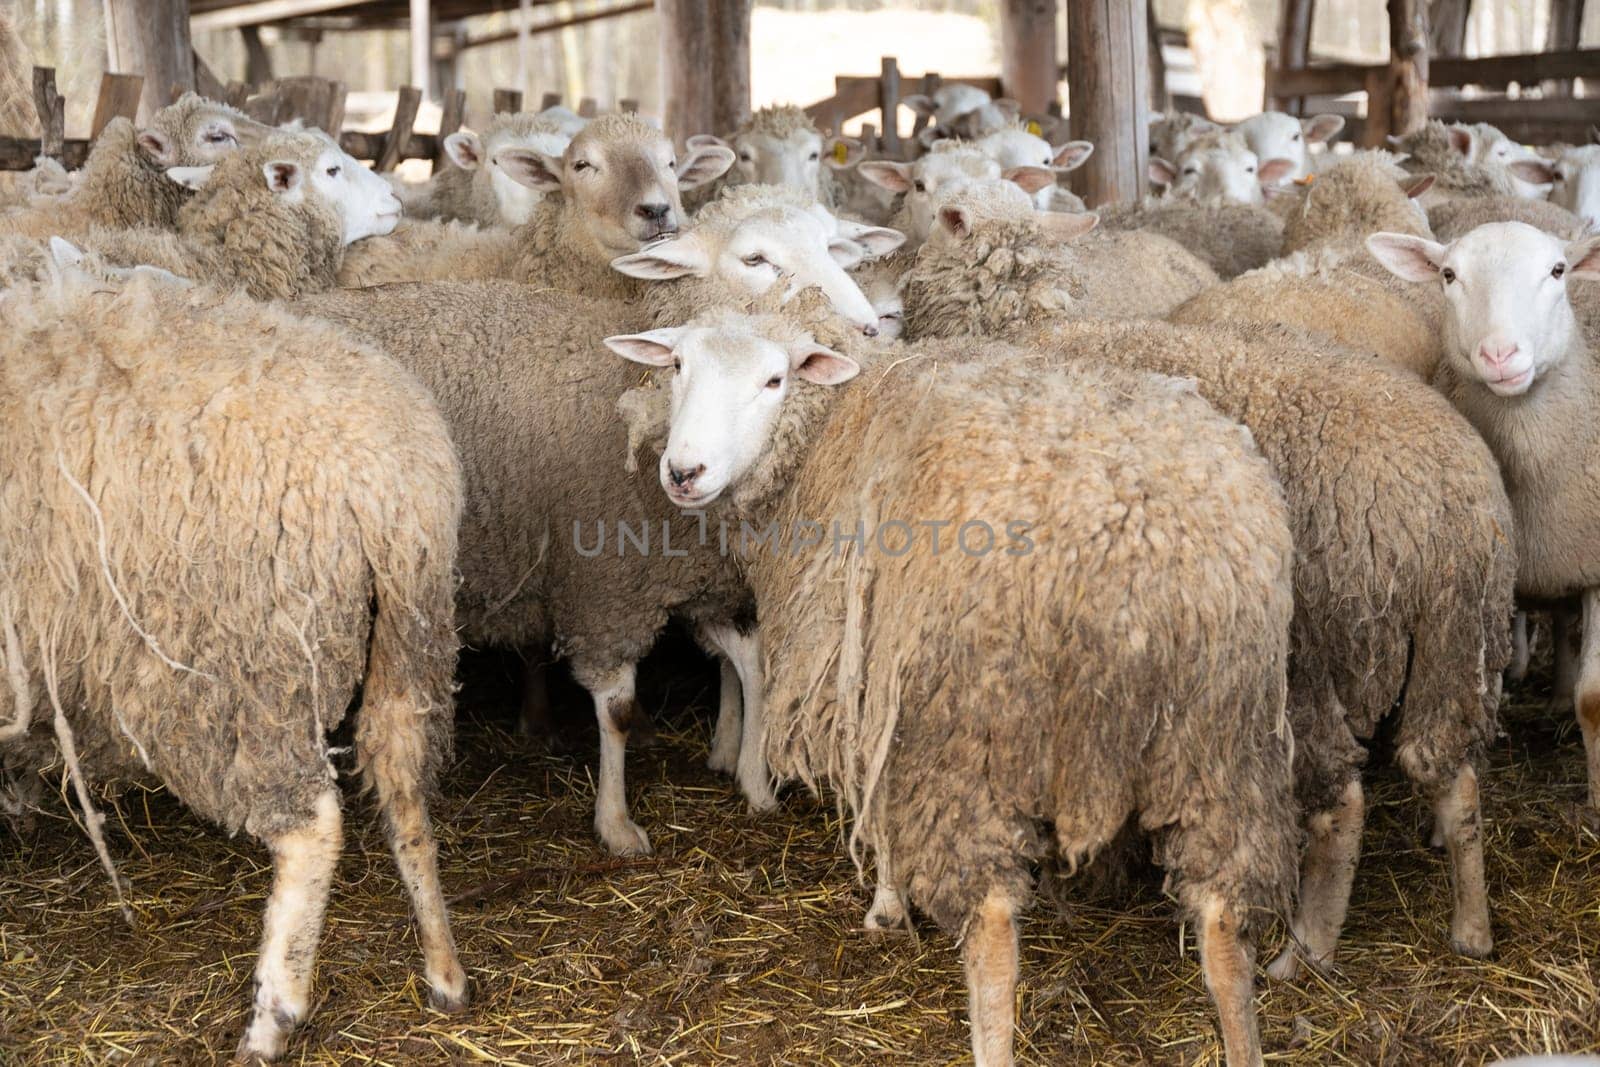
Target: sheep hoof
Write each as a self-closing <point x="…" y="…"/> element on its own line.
<point x="266" y="1037"/>
<point x="447" y="1002"/>
<point x="724" y="759"/>
<point x="761" y="798"/>
<point x="624" y="838"/>
<point x="886" y="917"/>
<point x="1286" y="968"/>
<point x="1476" y="944"/>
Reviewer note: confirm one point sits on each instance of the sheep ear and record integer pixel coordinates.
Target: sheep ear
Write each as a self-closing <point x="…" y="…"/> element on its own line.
<point x="957" y="221"/>
<point x="1072" y="155"/>
<point x="1066" y="225"/>
<point x="1533" y="171"/>
<point x="1394" y="141"/>
<point x="653" y="348"/>
<point x="283" y="176"/>
<point x="1030" y="179"/>
<point x="922" y="105"/>
<point x="846" y="252"/>
<point x="1274" y="171"/>
<point x="1460" y="140"/>
<point x="818" y="365"/>
<point x="191" y="177"/>
<point x="158" y="146"/>
<point x="704" y="164"/>
<point x="1414" y="259"/>
<point x="1583" y="258"/>
<point x="1160" y="172"/>
<point x="877" y="240"/>
<point x="705" y="140"/>
<point x="464" y="149"/>
<point x="665" y="260"/>
<point x="895" y="177"/>
<point x="65" y="254"/>
<point x="536" y="170"/>
<point x="1415" y="187"/>
<point x="1322" y="128"/>
<point x="841" y="153"/>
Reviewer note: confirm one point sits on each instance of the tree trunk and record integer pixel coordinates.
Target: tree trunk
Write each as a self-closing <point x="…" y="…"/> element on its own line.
<point x="151" y="38"/>
<point x="1108" y="75"/>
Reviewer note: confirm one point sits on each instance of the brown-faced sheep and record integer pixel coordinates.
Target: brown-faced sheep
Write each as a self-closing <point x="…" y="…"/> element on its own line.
<point x="125" y="183"/>
<point x="1402" y="577"/>
<point x="1022" y="688"/>
<point x="219" y="522"/>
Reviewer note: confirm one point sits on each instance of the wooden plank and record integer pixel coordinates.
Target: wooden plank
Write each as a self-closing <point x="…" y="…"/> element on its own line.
<point x="421" y="40"/>
<point x="1108" y="75"/>
<point x="1408" y="65"/>
<point x="1380" y="112"/>
<point x="1566" y="31"/>
<point x="1294" y="49"/>
<point x="507" y="101"/>
<point x="372" y="145"/>
<point x="553" y="25"/>
<point x="206" y="83"/>
<point x="236" y="94"/>
<point x="889" y="105"/>
<point x="628" y="106"/>
<point x="338" y="94"/>
<point x="1028" y="53"/>
<point x="587" y="108"/>
<point x="549" y="100"/>
<point x="51" y="107"/>
<point x="1489" y="72"/>
<point x="1160" y="95"/>
<point x="930" y="85"/>
<point x="730" y="78"/>
<point x="318" y="101"/>
<point x="240" y="15"/>
<point x="150" y="37"/>
<point x="405" y="113"/>
<point x="119" y="96"/>
<point x="450" y="120"/>
<point x="1447" y="27"/>
<point x="19" y="153"/>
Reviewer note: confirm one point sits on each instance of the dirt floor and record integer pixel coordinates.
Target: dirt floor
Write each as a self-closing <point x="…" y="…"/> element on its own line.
<point x="738" y="942"/>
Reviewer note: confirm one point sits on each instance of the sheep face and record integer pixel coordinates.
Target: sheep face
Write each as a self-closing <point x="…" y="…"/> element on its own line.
<point x="1573" y="178"/>
<point x="1016" y="147"/>
<point x="621" y="177"/>
<point x="366" y="204"/>
<point x="776" y="246"/>
<point x="1487" y="144"/>
<point x="883" y="292"/>
<point x="1510" y="321"/>
<point x="195" y="132"/>
<point x="1274" y="135"/>
<point x="948" y="102"/>
<point x="935" y="175"/>
<point x="470" y="152"/>
<point x="1218" y="167"/>
<point x="728" y="387"/>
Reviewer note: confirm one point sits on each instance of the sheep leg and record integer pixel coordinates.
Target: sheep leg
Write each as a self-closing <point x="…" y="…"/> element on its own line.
<point x="888" y="910"/>
<point x="743" y="649"/>
<point x="1518" y="670"/>
<point x="615" y="709"/>
<point x="535" y="723"/>
<point x="725" y="739"/>
<point x="303" y="862"/>
<point x="1326" y="875"/>
<point x="1456" y="808"/>
<point x="1227" y="963"/>
<point x="417" y="857"/>
<point x="1588" y="693"/>
<point x="989" y="953"/>
<point x="1566" y="664"/>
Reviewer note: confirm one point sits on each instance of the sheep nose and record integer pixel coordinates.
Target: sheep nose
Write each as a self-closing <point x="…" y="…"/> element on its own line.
<point x="1495" y="351"/>
<point x="870" y="330"/>
<point x="682" y="479"/>
<point x="652" y="212"/>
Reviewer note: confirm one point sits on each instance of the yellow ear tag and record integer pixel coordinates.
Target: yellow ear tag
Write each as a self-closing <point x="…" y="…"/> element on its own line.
<point x="1306" y="181"/>
<point x="1034" y="128"/>
<point x="841" y="151"/>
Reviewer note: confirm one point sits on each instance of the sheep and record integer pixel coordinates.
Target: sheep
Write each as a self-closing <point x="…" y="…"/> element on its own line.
<point x="1170" y="134"/>
<point x="780" y="145"/>
<point x="1521" y="371"/>
<point x="941" y="172"/>
<point x="1230" y="238"/>
<point x="477" y="188"/>
<point x="1274" y="135"/>
<point x="1451" y="219"/>
<point x="1403" y="564"/>
<point x="1572" y="176"/>
<point x="124" y="181"/>
<point x="1492" y="145"/>
<point x="1141" y="500"/>
<point x="619" y="184"/>
<point x="1018" y="146"/>
<point x="1448" y="153"/>
<point x="1218" y="166"/>
<point x="220" y="522"/>
<point x="961" y="111"/>
<point x="993" y="262"/>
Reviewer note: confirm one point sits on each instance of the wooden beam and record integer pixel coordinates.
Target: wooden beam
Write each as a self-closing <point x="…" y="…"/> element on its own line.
<point x="557" y="24"/>
<point x="405" y="114"/>
<point x="730" y="48"/>
<point x="1294" y="49"/>
<point x="1408" y="65"/>
<point x="52" y="109"/>
<point x="257" y="64"/>
<point x="1028" y="53"/>
<point x="507" y="101"/>
<point x="549" y="100"/>
<point x="1566" y="29"/>
<point x="889" y="105"/>
<point x="1489" y="72"/>
<point x="119" y="97"/>
<point x="421" y="38"/>
<point x="1160" y="96"/>
<point x="241" y="15"/>
<point x="1447" y="27"/>
<point x="450" y="120"/>
<point x="150" y="37"/>
<point x="1108" y="77"/>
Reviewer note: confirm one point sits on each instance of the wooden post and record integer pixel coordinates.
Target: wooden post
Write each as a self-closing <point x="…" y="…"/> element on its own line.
<point x="151" y="38"/>
<point x="1447" y="30"/>
<point x="405" y="113"/>
<point x="1160" y="97"/>
<point x="587" y="108"/>
<point x="257" y="64"/>
<point x="889" y="105"/>
<point x="236" y="94"/>
<point x="628" y="106"/>
<point x="119" y="96"/>
<point x="1380" y="109"/>
<point x="52" y="109"/>
<point x="1108" y="76"/>
<point x="422" y="46"/>
<point x="705" y="65"/>
<point x="549" y="100"/>
<point x="450" y="120"/>
<point x="507" y="101"/>
<point x="1028" y="66"/>
<point x="1294" y="48"/>
<point x="1566" y="27"/>
<point x="1408" y="65"/>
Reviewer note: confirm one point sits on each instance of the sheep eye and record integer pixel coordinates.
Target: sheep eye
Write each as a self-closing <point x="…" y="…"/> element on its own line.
<point x="1558" y="270"/>
<point x="744" y="157"/>
<point x="677" y="364"/>
<point x="672" y="164"/>
<point x="754" y="259"/>
<point x="1296" y="137"/>
<point x="333" y="172"/>
<point x="1191" y="170"/>
<point x="582" y="164"/>
<point x="920" y="186"/>
<point x="1448" y="275"/>
<point x="813" y="157"/>
<point x="774" y="381"/>
<point x="1249" y="170"/>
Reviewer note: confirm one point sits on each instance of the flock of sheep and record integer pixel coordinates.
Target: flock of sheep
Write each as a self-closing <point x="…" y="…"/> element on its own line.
<point x="1021" y="529"/>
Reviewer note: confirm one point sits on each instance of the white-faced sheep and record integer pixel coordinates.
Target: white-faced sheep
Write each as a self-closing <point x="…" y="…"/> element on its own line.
<point x="125" y="183"/>
<point x="1449" y="153"/>
<point x="219" y="523"/>
<point x="961" y="111"/>
<point x="1403" y="566"/>
<point x="476" y="187"/>
<point x="780" y="145"/>
<point x="1572" y="175"/>
<point x="938" y="174"/>
<point x="1519" y="368"/>
<point x="1274" y="135"/>
<point x="1017" y="146"/>
<point x="999" y="697"/>
<point x="1218" y="166"/>
<point x="616" y="187"/>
